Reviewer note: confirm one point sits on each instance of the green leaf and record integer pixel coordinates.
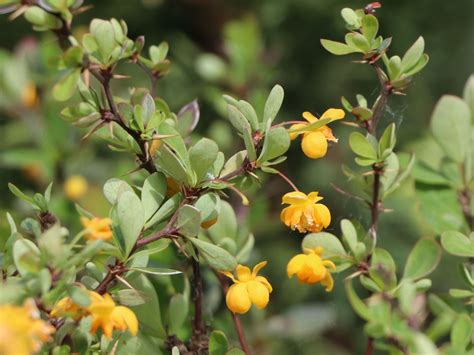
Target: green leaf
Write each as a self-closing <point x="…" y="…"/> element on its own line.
<point x="272" y="105"/>
<point x="395" y="67"/>
<point x="218" y="344"/>
<point x="249" y="112"/>
<point x="276" y="143"/>
<point x="179" y="307"/>
<point x="165" y="211"/>
<point x="217" y="257"/>
<point x="413" y="54"/>
<point x="458" y="293"/>
<point x="159" y="53"/>
<point x="387" y="141"/>
<point x="20" y="194"/>
<point x="370" y="27"/>
<point x="350" y="17"/>
<point x="103" y="33"/>
<point x="359" y="145"/>
<point x="422" y="260"/>
<point x="131" y="218"/>
<point x="171" y="164"/>
<point x="209" y="206"/>
<point x="349" y="234"/>
<point x="418" y="66"/>
<point x="226" y="225"/>
<point x="337" y="48"/>
<point x="382" y="269"/>
<point x="189" y="221"/>
<point x="357" y="304"/>
<point x="361" y="42"/>
<point x="468" y="94"/>
<point x="67" y="86"/>
<point x="202" y="155"/>
<point x="456" y="243"/>
<point x="113" y="189"/>
<point x="426" y="174"/>
<point x="41" y="18"/>
<point x="332" y="247"/>
<point x="450" y="124"/>
<point x="153" y="194"/>
<point x="461" y="332"/>
<point x="156" y="271"/>
<point x="26" y="256"/>
<point x="237" y="119"/>
<point x="129" y="297"/>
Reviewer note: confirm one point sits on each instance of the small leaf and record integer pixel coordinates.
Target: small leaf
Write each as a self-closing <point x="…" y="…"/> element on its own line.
<point x="67" y="86"/>
<point x="113" y="189"/>
<point x="451" y="126"/>
<point x="468" y="94"/>
<point x="349" y="234"/>
<point x="179" y="307"/>
<point x="337" y="48"/>
<point x="156" y="271"/>
<point x="276" y="143"/>
<point x="422" y="260"/>
<point x="332" y="247"/>
<point x="359" y="145"/>
<point x="26" y="256"/>
<point x="357" y="304"/>
<point x="461" y="332"/>
<point x="79" y="295"/>
<point x="272" y="105"/>
<point x="370" y="27"/>
<point x="20" y="194"/>
<point x="153" y="194"/>
<point x="350" y="17"/>
<point x="413" y="54"/>
<point x="458" y="244"/>
<point x="189" y="221"/>
<point x="202" y="155"/>
<point x="218" y="344"/>
<point x="217" y="257"/>
<point x="249" y="112"/>
<point x="131" y="218"/>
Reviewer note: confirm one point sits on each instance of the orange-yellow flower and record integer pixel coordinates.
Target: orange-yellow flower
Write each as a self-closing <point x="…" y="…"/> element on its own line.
<point x="315" y="140"/>
<point x="75" y="187"/>
<point x="248" y="289"/>
<point x="311" y="268"/>
<point x="97" y="228"/>
<point x="29" y="97"/>
<point x="67" y="308"/>
<point x="22" y="332"/>
<point x="304" y="213"/>
<point x="106" y="315"/>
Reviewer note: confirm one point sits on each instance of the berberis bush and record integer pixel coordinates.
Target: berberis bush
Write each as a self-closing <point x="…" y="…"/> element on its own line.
<point x="91" y="291"/>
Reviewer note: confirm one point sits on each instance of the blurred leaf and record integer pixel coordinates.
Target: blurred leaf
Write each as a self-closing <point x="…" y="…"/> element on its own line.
<point x="226" y="225"/>
<point x="332" y="246"/>
<point x="422" y="260"/>
<point x="458" y="244"/>
<point x="67" y="86"/>
<point x="350" y="17"/>
<point x="129" y="297"/>
<point x="114" y="188"/>
<point x="156" y="270"/>
<point x="357" y="304"/>
<point x="461" y="332"/>
<point x="468" y="95"/>
<point x="26" y="256"/>
<point x="79" y="295"/>
<point x="450" y="124"/>
<point x="370" y="27"/>
<point x="218" y="343"/>
<point x="178" y="311"/>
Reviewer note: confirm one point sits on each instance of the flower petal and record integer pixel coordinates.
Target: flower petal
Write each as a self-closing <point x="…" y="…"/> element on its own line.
<point x="258" y="293"/>
<point x="294" y="198"/>
<point x="308" y="116"/>
<point x="237" y="298"/>
<point x="294" y="135"/>
<point x="314" y="145"/>
<point x="243" y="273"/>
<point x="265" y="283"/>
<point x="324" y="214"/>
<point x="257" y="268"/>
<point x="123" y="318"/>
<point x="334" y="114"/>
<point x="328" y="282"/>
<point x="295" y="264"/>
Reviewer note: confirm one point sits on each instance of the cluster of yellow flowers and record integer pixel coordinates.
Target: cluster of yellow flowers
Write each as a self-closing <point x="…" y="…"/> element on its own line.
<point x="22" y="332"/>
<point x="105" y="314"/>
<point x="304" y="214"/>
<point x="97" y="228"/>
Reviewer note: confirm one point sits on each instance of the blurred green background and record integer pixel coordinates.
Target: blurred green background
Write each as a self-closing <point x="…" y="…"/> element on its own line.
<point x="243" y="48"/>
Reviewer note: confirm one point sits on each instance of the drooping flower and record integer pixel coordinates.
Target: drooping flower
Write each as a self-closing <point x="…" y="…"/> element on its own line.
<point x="311" y="268"/>
<point x="75" y="187"/>
<point x="97" y="228"/>
<point x="315" y="140"/>
<point x="248" y="289"/>
<point x="22" y="332"/>
<point x="304" y="213"/>
<point x="106" y="315"/>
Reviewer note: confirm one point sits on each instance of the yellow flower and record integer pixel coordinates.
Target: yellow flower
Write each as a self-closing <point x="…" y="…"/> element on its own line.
<point x="75" y="187"/>
<point x="310" y="268"/>
<point x="22" y="332"/>
<point x="29" y="96"/>
<point x="66" y="307"/>
<point x="304" y="213"/>
<point x="98" y="228"/>
<point x="248" y="289"/>
<point x="314" y="142"/>
<point x="106" y="315"/>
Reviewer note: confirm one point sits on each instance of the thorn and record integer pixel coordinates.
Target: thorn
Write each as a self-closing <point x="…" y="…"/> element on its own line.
<point x="18" y="12"/>
<point x="120" y="76"/>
